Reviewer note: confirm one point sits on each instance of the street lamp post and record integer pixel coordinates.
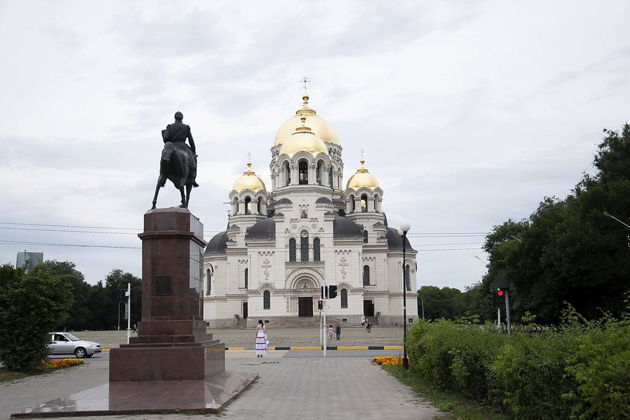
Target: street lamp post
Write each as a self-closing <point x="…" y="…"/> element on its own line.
<point x="404" y="228"/>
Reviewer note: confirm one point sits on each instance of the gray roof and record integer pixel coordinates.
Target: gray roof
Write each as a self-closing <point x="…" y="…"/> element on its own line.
<point x="265" y="229"/>
<point x="323" y="200"/>
<point x="282" y="201"/>
<point x="394" y="241"/>
<point x="217" y="244"/>
<point x="346" y="228"/>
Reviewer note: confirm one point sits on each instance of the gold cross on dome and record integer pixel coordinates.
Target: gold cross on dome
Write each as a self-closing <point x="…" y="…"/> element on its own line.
<point x="249" y="156"/>
<point x="305" y="82"/>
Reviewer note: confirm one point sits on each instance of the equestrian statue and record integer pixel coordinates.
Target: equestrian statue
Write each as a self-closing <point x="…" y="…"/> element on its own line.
<point x="179" y="161"/>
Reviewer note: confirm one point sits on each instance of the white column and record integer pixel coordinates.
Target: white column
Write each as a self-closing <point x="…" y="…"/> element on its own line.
<point x="294" y="175"/>
<point x="370" y="204"/>
<point x="241" y="206"/>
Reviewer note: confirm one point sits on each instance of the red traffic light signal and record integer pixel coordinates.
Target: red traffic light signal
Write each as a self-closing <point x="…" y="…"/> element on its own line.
<point x="500" y="292"/>
<point x="320" y="304"/>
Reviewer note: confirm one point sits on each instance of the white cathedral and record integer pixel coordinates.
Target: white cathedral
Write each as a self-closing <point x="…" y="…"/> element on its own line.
<point x="308" y="231"/>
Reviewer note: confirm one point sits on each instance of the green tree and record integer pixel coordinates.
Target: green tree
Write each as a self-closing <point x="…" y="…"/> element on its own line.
<point x="31" y="305"/>
<point x="115" y="288"/>
<point x="568" y="250"/>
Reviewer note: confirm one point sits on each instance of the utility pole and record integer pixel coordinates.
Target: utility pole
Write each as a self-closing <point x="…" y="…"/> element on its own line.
<point x="128" y="294"/>
<point x="507" y="311"/>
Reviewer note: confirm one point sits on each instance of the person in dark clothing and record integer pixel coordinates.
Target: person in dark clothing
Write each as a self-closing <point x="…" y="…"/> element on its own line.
<point x="338" y="332"/>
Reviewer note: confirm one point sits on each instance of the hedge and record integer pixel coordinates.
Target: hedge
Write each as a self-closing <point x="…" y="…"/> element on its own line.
<point x="577" y="371"/>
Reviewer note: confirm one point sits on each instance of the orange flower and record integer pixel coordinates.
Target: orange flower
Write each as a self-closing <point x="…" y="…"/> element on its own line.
<point x="387" y="360"/>
<point x="55" y="364"/>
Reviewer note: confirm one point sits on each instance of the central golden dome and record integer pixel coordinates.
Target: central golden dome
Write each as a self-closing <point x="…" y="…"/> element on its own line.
<point x="248" y="181"/>
<point x="362" y="178"/>
<point x="321" y="128"/>
<point x="303" y="140"/>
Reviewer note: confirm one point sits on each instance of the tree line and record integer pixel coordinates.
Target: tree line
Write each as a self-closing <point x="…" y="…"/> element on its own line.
<point x="568" y="250"/>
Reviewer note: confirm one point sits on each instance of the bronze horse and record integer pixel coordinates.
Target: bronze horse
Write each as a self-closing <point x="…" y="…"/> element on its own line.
<point x="179" y="162"/>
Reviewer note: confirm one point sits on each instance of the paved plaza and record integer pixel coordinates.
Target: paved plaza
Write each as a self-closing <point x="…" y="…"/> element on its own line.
<point x="292" y="384"/>
<point x="281" y="337"/>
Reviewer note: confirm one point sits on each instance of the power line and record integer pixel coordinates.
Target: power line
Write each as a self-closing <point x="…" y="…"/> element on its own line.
<point x="67" y="231"/>
<point x="5" y="242"/>
<point x="68" y="226"/>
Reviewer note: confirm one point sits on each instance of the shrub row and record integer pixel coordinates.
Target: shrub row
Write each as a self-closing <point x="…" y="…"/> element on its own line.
<point x="578" y="371"/>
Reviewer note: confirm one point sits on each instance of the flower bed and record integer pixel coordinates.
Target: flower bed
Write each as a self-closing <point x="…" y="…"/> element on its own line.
<point x="387" y="360"/>
<point x="56" y="364"/>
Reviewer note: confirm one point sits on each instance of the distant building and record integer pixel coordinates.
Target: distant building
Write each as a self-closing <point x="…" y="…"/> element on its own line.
<point x="28" y="260"/>
<point x="311" y="229"/>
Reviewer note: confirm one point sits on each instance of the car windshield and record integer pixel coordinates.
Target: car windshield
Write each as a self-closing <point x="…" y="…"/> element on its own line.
<point x="71" y="337"/>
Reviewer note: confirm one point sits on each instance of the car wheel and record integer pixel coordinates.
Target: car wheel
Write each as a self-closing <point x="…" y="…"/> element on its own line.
<point x="80" y="352"/>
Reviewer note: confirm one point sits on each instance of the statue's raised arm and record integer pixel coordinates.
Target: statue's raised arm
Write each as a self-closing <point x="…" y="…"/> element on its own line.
<point x="179" y="160"/>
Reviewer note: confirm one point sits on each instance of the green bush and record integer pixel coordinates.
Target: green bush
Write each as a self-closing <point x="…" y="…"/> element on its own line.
<point x="31" y="305"/>
<point x="530" y="372"/>
<point x="600" y="364"/>
<point x="581" y="370"/>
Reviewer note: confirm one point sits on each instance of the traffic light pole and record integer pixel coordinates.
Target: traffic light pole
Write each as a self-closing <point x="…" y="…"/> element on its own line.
<point x="507" y="311"/>
<point x="324" y="333"/>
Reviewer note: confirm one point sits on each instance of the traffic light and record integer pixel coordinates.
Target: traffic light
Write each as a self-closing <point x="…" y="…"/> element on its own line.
<point x="332" y="291"/>
<point x="320" y="304"/>
<point x="500" y="292"/>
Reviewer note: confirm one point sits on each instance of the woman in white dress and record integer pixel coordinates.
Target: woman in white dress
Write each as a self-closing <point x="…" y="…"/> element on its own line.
<point x="261" y="339"/>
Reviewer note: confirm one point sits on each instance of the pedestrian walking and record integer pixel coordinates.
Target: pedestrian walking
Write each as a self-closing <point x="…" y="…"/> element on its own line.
<point x="338" y="331"/>
<point x="368" y="326"/>
<point x="261" y="339"/>
<point x="330" y="332"/>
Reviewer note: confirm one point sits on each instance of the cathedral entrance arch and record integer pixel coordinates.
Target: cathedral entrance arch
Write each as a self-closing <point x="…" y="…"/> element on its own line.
<point x="305" y="288"/>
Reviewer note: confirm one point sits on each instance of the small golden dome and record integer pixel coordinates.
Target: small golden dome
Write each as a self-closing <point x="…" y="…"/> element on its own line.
<point x="303" y="140"/>
<point x="362" y="178"/>
<point x="321" y="128"/>
<point x="249" y="180"/>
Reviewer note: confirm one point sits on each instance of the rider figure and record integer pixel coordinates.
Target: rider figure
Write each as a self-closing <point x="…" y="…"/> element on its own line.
<point x="177" y="133"/>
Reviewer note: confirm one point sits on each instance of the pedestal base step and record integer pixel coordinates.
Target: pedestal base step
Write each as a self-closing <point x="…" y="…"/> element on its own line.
<point x="128" y="398"/>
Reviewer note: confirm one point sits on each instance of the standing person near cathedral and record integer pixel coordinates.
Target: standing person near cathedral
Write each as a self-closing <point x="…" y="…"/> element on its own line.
<point x="338" y="331"/>
<point x="330" y="332"/>
<point x="261" y="339"/>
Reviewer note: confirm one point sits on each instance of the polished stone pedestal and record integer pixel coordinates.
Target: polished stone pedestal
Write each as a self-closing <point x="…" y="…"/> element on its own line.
<point x="173" y="365"/>
<point x="172" y="343"/>
<point x="152" y="397"/>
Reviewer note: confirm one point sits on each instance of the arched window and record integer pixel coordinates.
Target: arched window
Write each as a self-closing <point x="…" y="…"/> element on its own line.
<point x="330" y="177"/>
<point x="407" y="281"/>
<point x="208" y="281"/>
<point x="351" y="198"/>
<point x="366" y="275"/>
<point x="344" y="298"/>
<point x="292" y="249"/>
<point x="365" y="236"/>
<point x="287" y="173"/>
<point x="316" y="251"/>
<point x="259" y="206"/>
<point x="320" y="172"/>
<point x="248" y="205"/>
<point x="266" y="299"/>
<point x="303" y="172"/>
<point x="376" y="205"/>
<point x="304" y="246"/>
<point x="235" y="206"/>
<point x="246" y="275"/>
<point x="364" y="203"/>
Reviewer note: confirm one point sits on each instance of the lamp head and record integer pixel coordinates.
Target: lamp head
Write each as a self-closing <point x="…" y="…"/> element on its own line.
<point x="405" y="227"/>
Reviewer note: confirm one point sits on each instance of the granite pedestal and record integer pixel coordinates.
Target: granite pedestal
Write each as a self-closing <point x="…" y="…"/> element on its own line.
<point x="173" y="365"/>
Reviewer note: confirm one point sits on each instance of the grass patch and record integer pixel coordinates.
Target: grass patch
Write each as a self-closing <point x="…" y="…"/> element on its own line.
<point x="7" y="375"/>
<point x="458" y="406"/>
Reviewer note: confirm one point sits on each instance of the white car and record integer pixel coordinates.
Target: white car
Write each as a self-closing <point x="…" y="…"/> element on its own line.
<point x="66" y="343"/>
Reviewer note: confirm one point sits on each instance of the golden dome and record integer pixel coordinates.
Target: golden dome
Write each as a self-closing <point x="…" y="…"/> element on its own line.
<point x="249" y="180"/>
<point x="321" y="128"/>
<point x="362" y="178"/>
<point x="303" y="140"/>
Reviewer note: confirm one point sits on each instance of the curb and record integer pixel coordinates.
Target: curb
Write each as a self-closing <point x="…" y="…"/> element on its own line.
<point x="312" y="348"/>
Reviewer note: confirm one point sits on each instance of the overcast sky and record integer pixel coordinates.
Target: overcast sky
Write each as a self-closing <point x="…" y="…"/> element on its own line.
<point x="469" y="113"/>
